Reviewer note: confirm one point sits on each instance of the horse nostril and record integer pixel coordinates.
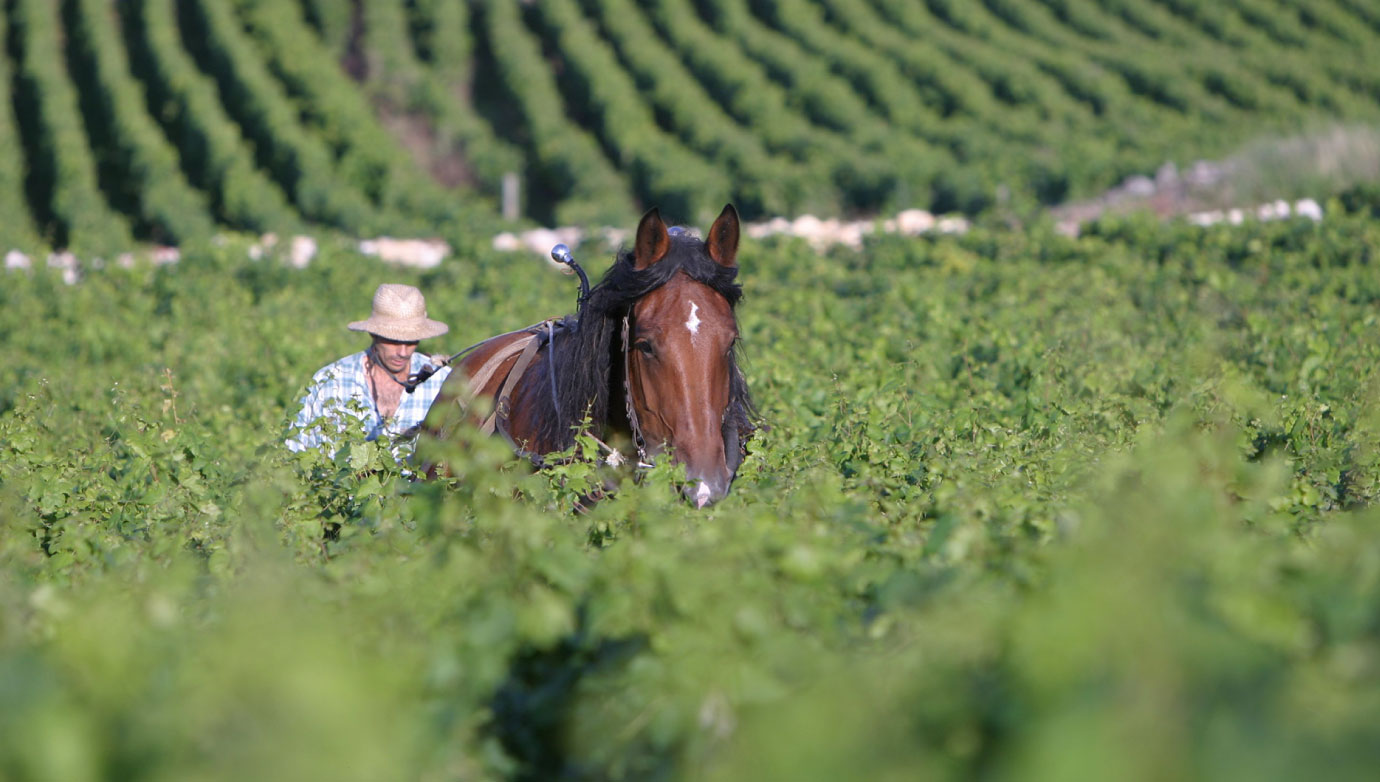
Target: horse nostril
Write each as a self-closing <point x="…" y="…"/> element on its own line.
<point x="704" y="492"/>
<point x="702" y="495"/>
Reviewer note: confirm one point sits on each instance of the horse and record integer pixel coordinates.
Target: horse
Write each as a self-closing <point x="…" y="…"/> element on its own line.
<point x="652" y="352"/>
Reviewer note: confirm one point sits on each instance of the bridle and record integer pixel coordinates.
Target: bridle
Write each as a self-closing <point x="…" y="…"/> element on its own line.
<point x="633" y="423"/>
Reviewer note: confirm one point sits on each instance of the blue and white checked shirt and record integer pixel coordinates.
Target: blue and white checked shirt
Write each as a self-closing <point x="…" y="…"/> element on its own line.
<point x="339" y="395"/>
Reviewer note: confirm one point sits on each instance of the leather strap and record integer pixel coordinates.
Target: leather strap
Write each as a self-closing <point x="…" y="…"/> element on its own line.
<point x="484" y="374"/>
<point x="501" y="409"/>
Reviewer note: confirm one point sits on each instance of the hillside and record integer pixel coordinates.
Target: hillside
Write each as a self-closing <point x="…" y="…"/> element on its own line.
<point x="165" y="120"/>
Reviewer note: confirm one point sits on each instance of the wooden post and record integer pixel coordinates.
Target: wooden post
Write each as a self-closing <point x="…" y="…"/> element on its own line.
<point x="511" y="194"/>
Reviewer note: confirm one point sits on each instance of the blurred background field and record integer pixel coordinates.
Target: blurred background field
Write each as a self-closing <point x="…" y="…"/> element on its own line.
<point x="169" y="120"/>
<point x="1029" y="506"/>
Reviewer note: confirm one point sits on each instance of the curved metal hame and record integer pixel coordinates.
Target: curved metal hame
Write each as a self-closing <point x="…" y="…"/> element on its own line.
<point x="561" y="254"/>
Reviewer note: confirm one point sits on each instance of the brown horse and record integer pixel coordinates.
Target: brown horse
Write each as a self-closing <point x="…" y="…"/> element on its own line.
<point x="650" y="353"/>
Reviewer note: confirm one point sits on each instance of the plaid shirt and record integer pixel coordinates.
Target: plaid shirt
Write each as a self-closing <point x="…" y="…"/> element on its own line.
<point x="340" y="392"/>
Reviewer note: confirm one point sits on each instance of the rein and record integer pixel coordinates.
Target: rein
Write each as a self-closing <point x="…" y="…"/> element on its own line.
<point x="561" y="254"/>
<point x="410" y="384"/>
<point x="437" y="364"/>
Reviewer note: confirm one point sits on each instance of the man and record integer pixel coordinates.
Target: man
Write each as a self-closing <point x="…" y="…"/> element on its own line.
<point x="366" y="390"/>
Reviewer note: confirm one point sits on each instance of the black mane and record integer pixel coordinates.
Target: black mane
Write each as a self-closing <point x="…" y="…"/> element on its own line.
<point x="588" y="350"/>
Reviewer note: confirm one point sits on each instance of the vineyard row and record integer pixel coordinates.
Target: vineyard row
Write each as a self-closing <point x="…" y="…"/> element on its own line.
<point x="332" y="112"/>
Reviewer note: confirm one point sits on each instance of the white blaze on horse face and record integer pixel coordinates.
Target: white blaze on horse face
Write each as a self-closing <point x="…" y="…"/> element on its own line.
<point x="692" y="323"/>
<point x="702" y="495"/>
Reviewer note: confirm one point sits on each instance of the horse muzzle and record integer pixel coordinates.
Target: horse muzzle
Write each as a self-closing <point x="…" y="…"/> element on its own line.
<point x="706" y="491"/>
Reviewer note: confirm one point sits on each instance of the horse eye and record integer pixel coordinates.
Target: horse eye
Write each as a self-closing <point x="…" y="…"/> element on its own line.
<point x="644" y="346"/>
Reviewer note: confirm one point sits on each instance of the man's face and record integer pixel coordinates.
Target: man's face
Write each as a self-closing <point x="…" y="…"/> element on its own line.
<point x="395" y="356"/>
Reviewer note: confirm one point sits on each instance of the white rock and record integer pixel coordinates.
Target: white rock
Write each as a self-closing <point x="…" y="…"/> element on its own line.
<point x="826" y="234"/>
<point x="805" y="226"/>
<point x="15" y="260"/>
<point x="1139" y="185"/>
<point x="1275" y="210"/>
<point x="540" y="241"/>
<point x="851" y="234"/>
<point x="759" y="230"/>
<point x="67" y="262"/>
<point x="1236" y="216"/>
<point x="301" y="252"/>
<point x="772" y="227"/>
<point x="913" y="222"/>
<point x="953" y="224"/>
<point x="260" y="248"/>
<point x="417" y="253"/>
<point x="616" y="237"/>
<point x="1308" y="208"/>
<point x="505" y="242"/>
<point x="569" y="235"/>
<point x="1204" y="173"/>
<point x="1167" y="175"/>
<point x="434" y="251"/>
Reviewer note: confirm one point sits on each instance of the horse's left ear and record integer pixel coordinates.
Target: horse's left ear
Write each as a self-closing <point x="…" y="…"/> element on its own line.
<point x="723" y="237"/>
<point x="653" y="241"/>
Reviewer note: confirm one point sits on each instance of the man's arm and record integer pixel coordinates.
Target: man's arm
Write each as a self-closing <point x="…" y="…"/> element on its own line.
<point x="328" y="409"/>
<point x="305" y="431"/>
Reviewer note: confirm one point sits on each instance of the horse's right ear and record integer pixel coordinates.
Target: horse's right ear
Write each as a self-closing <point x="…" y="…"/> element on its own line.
<point x="653" y="241"/>
<point x="723" y="237"/>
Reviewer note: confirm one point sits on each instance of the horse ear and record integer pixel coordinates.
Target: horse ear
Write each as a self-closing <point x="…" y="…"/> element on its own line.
<point x="723" y="237"/>
<point x="653" y="241"/>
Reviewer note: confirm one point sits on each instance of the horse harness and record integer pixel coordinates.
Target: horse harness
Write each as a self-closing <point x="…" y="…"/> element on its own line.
<point x="540" y="335"/>
<point x="537" y="336"/>
<point x="642" y="460"/>
<point x="525" y="349"/>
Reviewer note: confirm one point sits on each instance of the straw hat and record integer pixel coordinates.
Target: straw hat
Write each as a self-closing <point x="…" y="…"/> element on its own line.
<point x="400" y="314"/>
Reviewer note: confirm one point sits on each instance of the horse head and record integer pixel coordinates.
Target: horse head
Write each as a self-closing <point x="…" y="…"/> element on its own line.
<point x="685" y="391"/>
<point x="657" y="333"/>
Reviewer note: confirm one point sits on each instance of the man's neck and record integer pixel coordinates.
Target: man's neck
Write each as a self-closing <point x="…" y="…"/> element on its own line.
<point x="387" y="391"/>
<point x="377" y="365"/>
